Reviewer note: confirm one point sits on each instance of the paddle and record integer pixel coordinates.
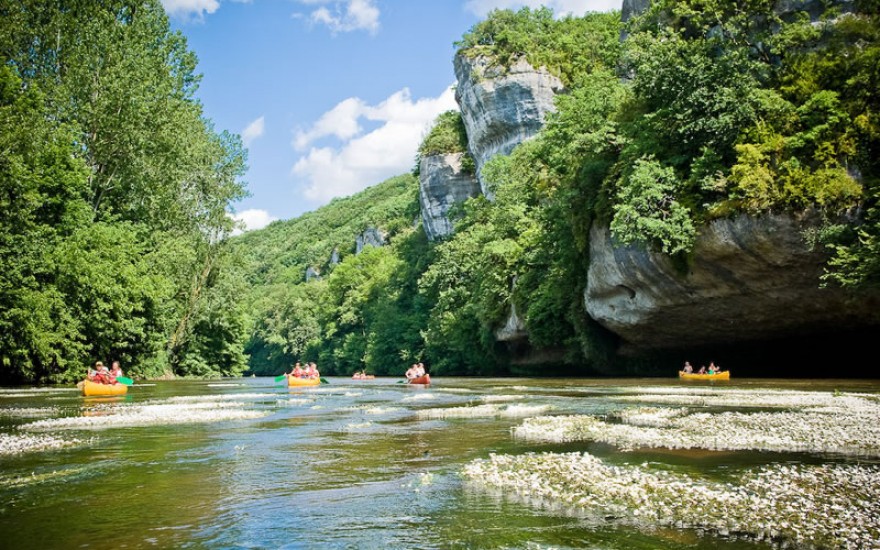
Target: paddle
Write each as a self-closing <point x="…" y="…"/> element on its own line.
<point x="280" y="378"/>
<point x="124" y="380"/>
<point x="324" y="381"/>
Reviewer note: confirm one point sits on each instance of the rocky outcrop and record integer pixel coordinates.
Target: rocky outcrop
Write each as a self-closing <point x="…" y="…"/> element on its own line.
<point x="501" y="107"/>
<point x="514" y="328"/>
<point x="313" y="273"/>
<point x="334" y="256"/>
<point x="442" y="185"/>
<point x="750" y="278"/>
<point x="370" y="237"/>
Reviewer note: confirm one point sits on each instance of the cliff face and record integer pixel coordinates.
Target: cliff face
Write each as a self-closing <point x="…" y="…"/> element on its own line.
<point x="750" y="278"/>
<point x="501" y="108"/>
<point x="370" y="237"/>
<point x="442" y="185"/>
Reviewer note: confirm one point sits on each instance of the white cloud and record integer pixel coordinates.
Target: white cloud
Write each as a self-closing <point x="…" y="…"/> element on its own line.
<point x="252" y="219"/>
<point x="346" y="16"/>
<point x="253" y="131"/>
<point x="559" y="7"/>
<point x="365" y="159"/>
<point x="190" y="8"/>
<point x="340" y="121"/>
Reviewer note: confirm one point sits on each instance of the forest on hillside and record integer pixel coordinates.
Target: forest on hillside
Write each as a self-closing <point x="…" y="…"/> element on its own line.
<point x="115" y="234"/>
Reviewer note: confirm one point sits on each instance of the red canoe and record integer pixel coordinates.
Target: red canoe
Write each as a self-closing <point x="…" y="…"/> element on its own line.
<point x="423" y="380"/>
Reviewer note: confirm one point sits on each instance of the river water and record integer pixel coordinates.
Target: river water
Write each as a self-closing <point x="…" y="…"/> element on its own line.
<point x="245" y="463"/>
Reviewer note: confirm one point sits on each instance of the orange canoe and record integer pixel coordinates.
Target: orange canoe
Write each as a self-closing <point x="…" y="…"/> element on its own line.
<point x="423" y="380"/>
<point x="94" y="388"/>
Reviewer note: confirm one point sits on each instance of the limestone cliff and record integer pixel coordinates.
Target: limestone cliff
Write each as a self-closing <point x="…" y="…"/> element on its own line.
<point x="370" y="237"/>
<point x="442" y="185"/>
<point x="750" y="278"/>
<point x="501" y="107"/>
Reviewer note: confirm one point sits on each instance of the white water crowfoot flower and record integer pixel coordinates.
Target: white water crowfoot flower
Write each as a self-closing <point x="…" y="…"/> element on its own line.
<point x="484" y="411"/>
<point x="11" y="444"/>
<point x="834" y="506"/>
<point x="148" y="415"/>
<point x="650" y="416"/>
<point x="842" y="425"/>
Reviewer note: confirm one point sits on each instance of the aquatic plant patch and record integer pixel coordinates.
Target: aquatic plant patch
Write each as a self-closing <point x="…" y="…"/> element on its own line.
<point x="419" y="397"/>
<point x="857" y="435"/>
<point x="218" y="397"/>
<point x="16" y="392"/>
<point x="484" y="411"/>
<point x="148" y="415"/>
<point x="818" y="422"/>
<point x="500" y="398"/>
<point x="706" y="397"/>
<point x="11" y="444"/>
<point x="833" y="506"/>
<point x="27" y="412"/>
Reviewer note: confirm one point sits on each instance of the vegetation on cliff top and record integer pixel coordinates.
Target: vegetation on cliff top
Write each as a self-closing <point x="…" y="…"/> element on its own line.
<point x="569" y="47"/>
<point x="447" y="136"/>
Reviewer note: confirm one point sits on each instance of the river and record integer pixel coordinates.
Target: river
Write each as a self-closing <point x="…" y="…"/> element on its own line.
<point x="245" y="463"/>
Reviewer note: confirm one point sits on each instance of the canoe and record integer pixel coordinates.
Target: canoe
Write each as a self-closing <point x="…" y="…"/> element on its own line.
<point x="294" y="382"/>
<point x="423" y="380"/>
<point x="95" y="388"/>
<point x="724" y="375"/>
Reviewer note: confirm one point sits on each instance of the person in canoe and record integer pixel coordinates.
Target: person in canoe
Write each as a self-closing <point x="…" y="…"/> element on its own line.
<point x="687" y="367"/>
<point x="312" y="371"/>
<point x="99" y="374"/>
<point x="411" y="372"/>
<point x="713" y="369"/>
<point x="702" y="370"/>
<point x="297" y="371"/>
<point x="115" y="372"/>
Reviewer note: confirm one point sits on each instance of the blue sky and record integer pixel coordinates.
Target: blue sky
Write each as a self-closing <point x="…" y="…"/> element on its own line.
<point x="330" y="96"/>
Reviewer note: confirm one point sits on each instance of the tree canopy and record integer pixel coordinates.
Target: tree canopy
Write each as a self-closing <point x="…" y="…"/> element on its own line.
<point x="116" y="192"/>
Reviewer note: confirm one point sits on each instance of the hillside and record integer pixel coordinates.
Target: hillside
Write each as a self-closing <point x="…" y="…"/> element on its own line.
<point x="284" y="250"/>
<point x="361" y="308"/>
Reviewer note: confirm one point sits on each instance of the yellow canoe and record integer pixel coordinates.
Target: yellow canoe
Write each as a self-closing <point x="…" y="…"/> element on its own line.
<point x="724" y="375"/>
<point x="90" y="388"/>
<point x="295" y="382"/>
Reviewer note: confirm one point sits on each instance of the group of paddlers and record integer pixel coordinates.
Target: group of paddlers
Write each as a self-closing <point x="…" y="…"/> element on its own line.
<point x="102" y="375"/>
<point x="712" y="369"/>
<point x="310" y="370"/>
<point x="415" y="371"/>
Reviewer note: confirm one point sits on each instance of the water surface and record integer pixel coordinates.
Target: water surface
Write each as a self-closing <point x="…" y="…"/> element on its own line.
<point x="352" y="464"/>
